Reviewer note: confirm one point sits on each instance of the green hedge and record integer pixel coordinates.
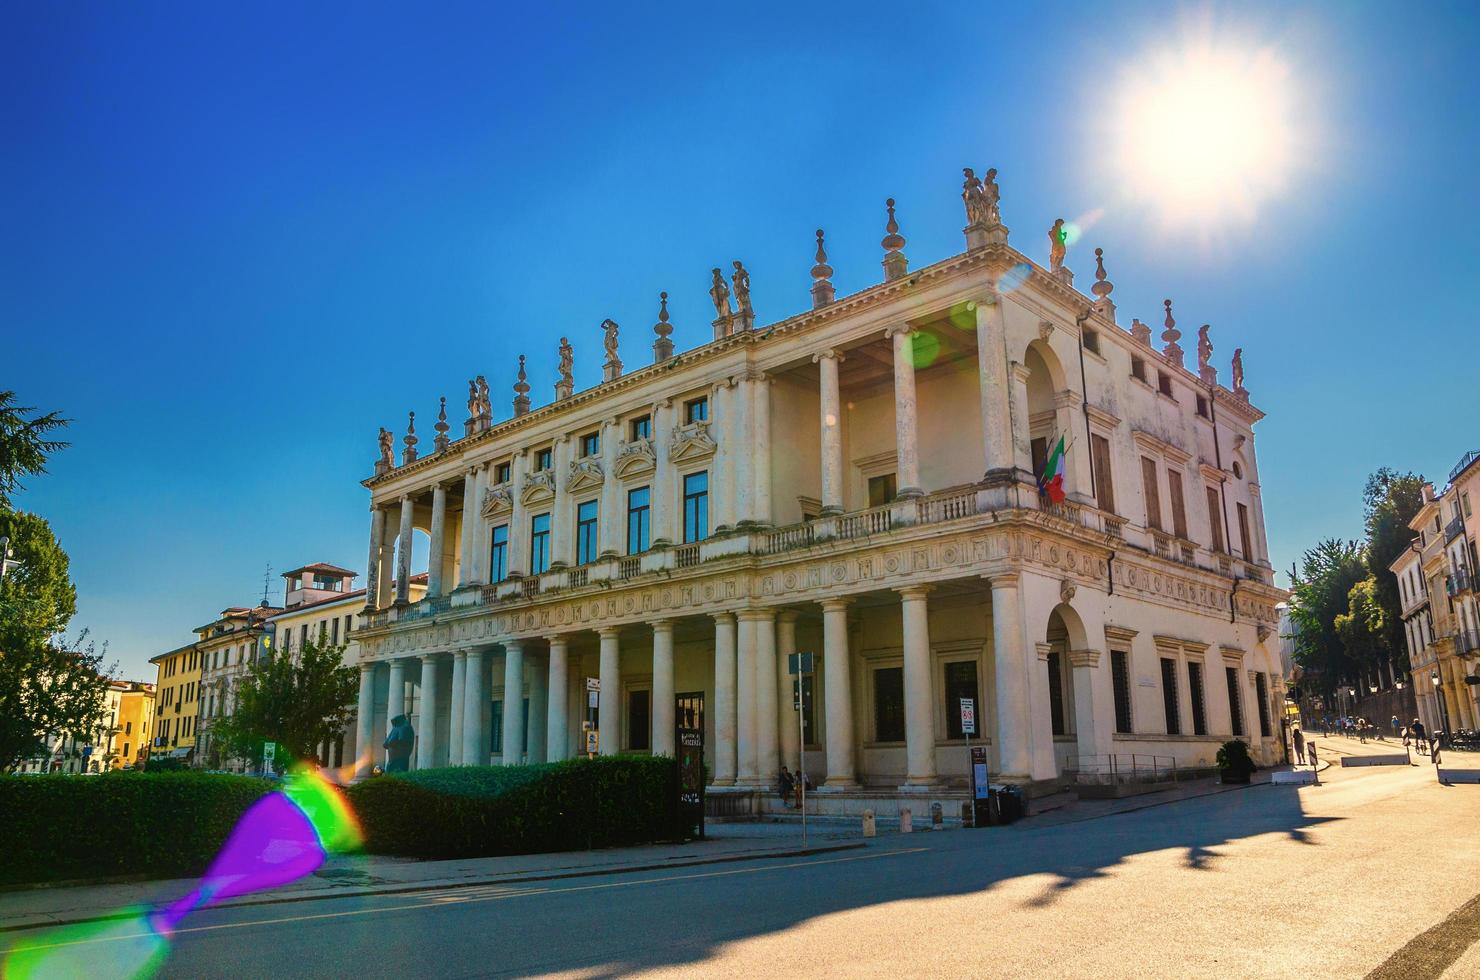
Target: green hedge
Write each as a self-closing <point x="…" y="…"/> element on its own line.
<point x="557" y="806"/>
<point x="164" y="825"/>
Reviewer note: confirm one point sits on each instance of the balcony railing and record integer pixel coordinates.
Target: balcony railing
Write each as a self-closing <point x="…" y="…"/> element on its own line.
<point x="1467" y="641"/>
<point x="1458" y="583"/>
<point x="1465" y="461"/>
<point x="1454" y="528"/>
<point x="686" y="556"/>
<point x="629" y="567"/>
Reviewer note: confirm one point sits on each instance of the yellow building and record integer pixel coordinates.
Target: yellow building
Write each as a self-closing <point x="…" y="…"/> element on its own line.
<point x="176" y="698"/>
<point x="132" y="725"/>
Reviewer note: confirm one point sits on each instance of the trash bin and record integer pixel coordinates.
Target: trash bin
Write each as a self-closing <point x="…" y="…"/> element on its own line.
<point x="1011" y="804"/>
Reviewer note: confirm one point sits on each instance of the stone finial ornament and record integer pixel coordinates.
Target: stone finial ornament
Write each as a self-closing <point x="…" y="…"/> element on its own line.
<point x="896" y="266"/>
<point x="1141" y="331"/>
<point x="992" y="198"/>
<point x="1058" y="247"/>
<point x="474" y="405"/>
<point x="724" y="313"/>
<point x="1102" y="288"/>
<point x="612" y="369"/>
<point x="1238" y="374"/>
<point x="745" y="314"/>
<point x="521" y="391"/>
<point x="566" y="386"/>
<point x="485" y="402"/>
<point x="408" y="455"/>
<point x="1205" y="370"/>
<point x="971" y="194"/>
<point x="822" y="287"/>
<point x="662" y="347"/>
<point x="983" y="214"/>
<point x="387" y="459"/>
<point x="1170" y="336"/>
<point x="441" y="441"/>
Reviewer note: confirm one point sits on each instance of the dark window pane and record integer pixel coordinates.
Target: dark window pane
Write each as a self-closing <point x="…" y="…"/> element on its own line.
<point x="1261" y="690"/>
<point x="639" y="720"/>
<point x="1215" y="519"/>
<point x="1039" y="447"/>
<point x="496" y="734"/>
<point x="889" y="704"/>
<point x="696" y="410"/>
<point x="1169" y="695"/>
<point x="1120" y="676"/>
<point x="1056" y="692"/>
<point x="1199" y="715"/>
<point x="1179" y="505"/>
<point x="880" y="490"/>
<point x="642" y="428"/>
<point x="1235" y="703"/>
<point x="960" y="682"/>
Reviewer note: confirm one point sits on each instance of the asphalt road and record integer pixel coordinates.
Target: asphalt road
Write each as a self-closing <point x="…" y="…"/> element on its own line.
<point x="1374" y="872"/>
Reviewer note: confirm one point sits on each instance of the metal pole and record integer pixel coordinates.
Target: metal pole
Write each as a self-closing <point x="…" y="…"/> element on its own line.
<point x="802" y="751"/>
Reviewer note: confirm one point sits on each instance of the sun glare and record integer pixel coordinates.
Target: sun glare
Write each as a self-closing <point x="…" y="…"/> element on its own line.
<point x="1204" y="134"/>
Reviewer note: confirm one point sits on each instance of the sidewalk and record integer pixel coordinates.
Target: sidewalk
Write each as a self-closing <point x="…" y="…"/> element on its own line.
<point x="353" y="875"/>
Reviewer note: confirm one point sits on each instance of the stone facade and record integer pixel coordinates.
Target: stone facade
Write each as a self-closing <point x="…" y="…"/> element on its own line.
<point x="858" y="481"/>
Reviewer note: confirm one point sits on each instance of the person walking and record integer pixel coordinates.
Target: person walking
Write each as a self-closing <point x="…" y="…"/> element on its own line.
<point x="398" y="744"/>
<point x="1397" y="726"/>
<point x="1299" y="746"/>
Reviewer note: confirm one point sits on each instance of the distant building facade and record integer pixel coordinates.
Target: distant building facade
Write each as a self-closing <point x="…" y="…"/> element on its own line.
<point x="176" y="703"/>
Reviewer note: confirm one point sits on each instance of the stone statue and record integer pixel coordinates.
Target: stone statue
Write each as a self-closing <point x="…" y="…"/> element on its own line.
<point x="720" y="293"/>
<point x="485" y="403"/>
<point x="1057" y="245"/>
<point x="387" y="447"/>
<point x="474" y="402"/>
<point x="991" y="196"/>
<point x="741" y="279"/>
<point x="971" y="193"/>
<point x="1238" y="371"/>
<point x="567" y="360"/>
<point x="1204" y="349"/>
<point x="610" y="340"/>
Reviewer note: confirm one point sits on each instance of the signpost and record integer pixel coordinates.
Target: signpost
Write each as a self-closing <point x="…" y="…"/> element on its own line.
<point x="593" y="700"/>
<point x="691" y="776"/>
<point x="799" y="665"/>
<point x="980" y="790"/>
<point x="269" y="753"/>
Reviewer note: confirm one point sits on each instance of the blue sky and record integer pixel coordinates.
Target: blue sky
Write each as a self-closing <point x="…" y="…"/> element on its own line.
<point x="239" y="238"/>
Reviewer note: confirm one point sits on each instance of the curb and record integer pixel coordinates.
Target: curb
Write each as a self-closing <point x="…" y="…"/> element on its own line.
<point x="510" y="878"/>
<point x="1153" y="805"/>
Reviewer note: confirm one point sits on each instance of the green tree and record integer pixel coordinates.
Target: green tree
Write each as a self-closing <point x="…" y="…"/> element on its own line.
<point x="297" y="700"/>
<point x="1390" y="500"/>
<point x="49" y="687"/>
<point x="37" y="597"/>
<point x="1320" y="592"/>
<point x="1361" y="628"/>
<point x="24" y="444"/>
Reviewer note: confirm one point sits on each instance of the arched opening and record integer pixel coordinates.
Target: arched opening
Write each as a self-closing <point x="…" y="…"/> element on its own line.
<point x="1045" y="380"/>
<point x="1064" y="633"/>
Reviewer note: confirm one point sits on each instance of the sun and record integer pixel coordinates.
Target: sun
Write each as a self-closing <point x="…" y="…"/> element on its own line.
<point x="1204" y="134"/>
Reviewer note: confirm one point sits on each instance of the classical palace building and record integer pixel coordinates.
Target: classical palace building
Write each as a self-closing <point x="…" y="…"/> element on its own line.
<point x="860" y="481"/>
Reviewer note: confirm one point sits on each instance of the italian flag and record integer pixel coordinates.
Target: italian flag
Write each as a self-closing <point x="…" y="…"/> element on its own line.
<point x="1052" y="480"/>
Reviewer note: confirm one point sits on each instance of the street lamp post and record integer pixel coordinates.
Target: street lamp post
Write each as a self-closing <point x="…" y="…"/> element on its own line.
<point x="1439" y="696"/>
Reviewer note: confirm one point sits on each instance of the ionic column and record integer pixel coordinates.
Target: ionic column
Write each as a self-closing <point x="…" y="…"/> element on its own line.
<point x="768" y="755"/>
<point x="474" y="694"/>
<point x="760" y="446"/>
<point x="557" y="724"/>
<point x="664" y="499"/>
<point x="1022" y="441"/>
<point x="838" y="693"/>
<point x="365" y="721"/>
<point x="439" y="530"/>
<point x="455" y="709"/>
<point x="747" y="758"/>
<point x="372" y="569"/>
<point x="906" y="437"/>
<point x="609" y="703"/>
<point x="403" y="552"/>
<point x="513" y="702"/>
<point x="832" y="431"/>
<point x="385" y="586"/>
<point x="395" y="701"/>
<point x="426" y="722"/>
<point x="786" y="645"/>
<point x="723" y="497"/>
<point x="467" y="566"/>
<point x="919" y="701"/>
<point x="1010" y="664"/>
<point x="539" y="710"/>
<point x="991" y="356"/>
<point x="663" y="704"/>
<point x="724" y="699"/>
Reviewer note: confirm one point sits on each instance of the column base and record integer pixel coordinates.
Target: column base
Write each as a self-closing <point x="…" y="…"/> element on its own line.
<point x="929" y="785"/>
<point x="838" y="786"/>
<point x="832" y="510"/>
<point x="721" y="782"/>
<point x="908" y="493"/>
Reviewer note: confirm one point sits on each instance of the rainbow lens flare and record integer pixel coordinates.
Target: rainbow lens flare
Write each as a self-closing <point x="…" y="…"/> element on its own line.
<point x="282" y="837"/>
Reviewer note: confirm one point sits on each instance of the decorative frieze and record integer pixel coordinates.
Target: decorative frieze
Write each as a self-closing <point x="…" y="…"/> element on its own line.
<point x="691" y="442"/>
<point x="635" y="457"/>
<point x="584" y="473"/>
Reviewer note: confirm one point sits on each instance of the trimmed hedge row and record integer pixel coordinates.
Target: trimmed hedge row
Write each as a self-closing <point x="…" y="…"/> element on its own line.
<point x="165" y="825"/>
<point x="557" y="806"/>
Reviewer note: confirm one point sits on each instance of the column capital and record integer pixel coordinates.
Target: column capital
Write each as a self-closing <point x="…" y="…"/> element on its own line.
<point x="1044" y="650"/>
<point x="914" y="591"/>
<point x="829" y="354"/>
<point x="431" y="658"/>
<point x="723" y="617"/>
<point x="404" y="498"/>
<point x="905" y="328"/>
<point x="558" y="639"/>
<point x="788" y="616"/>
<point x="1084" y="658"/>
<point x="1020" y="372"/>
<point x="609" y="631"/>
<point x="1003" y="580"/>
<point x="514" y="644"/>
<point x="366" y="666"/>
<point x="662" y="625"/>
<point x="757" y="614"/>
<point x="837" y="604"/>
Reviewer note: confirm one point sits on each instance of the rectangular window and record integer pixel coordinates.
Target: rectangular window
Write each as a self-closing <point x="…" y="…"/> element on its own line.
<point x="642" y="427"/>
<point x="586" y="520"/>
<point x="639" y="513"/>
<point x="348" y="622"/>
<point x="1091" y="341"/>
<point x="498" y="554"/>
<point x="639" y="720"/>
<point x="502" y="472"/>
<point x="1120" y="678"/>
<point x="1039" y="448"/>
<point x="1056" y="693"/>
<point x="696" y="506"/>
<point x="696" y="410"/>
<point x="1195" y="684"/>
<point x="543" y="459"/>
<point x="1153" y="492"/>
<point x="1261" y="691"/>
<point x="1099" y="448"/>
<point x="880" y="490"/>
<point x="1202" y="406"/>
<point x="1214" y="513"/>
<point x="889" y="704"/>
<point x="539" y="544"/>
<point x="1138" y="368"/>
<point x="1235" y="703"/>
<point x="334" y="631"/>
<point x="1169" y="695"/>
<point x="960" y="682"/>
<point x="1179" y="504"/>
<point x="591" y="444"/>
<point x="1163" y="383"/>
<point x="128" y="728"/>
<point x="1243" y="532"/>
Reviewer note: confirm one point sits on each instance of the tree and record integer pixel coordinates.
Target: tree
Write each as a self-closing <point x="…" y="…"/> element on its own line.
<point x="1321" y="592"/>
<point x="37" y="597"/>
<point x="24" y="445"/>
<point x="1390" y="500"/>
<point x="1361" y="627"/>
<point x="49" y="687"/>
<point x="297" y="700"/>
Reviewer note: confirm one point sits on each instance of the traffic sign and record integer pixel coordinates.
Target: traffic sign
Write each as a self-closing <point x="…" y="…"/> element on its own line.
<point x="593" y="741"/>
<point x="968" y="716"/>
<point x="798" y="663"/>
<point x="269" y="752"/>
<point x="593" y="683"/>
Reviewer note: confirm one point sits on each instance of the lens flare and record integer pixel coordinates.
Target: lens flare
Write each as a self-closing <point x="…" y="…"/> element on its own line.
<point x="284" y="836"/>
<point x="1014" y="277"/>
<point x="924" y="348"/>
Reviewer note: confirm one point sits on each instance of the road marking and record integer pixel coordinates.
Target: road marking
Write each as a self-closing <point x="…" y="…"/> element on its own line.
<point x="511" y="893"/>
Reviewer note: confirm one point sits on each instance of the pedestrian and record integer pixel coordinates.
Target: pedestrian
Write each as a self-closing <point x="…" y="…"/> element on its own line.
<point x="1418" y="736"/>
<point x="398" y="744"/>
<point x="1397" y="726"/>
<point x="784" y="786"/>
<point x="1299" y="747"/>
